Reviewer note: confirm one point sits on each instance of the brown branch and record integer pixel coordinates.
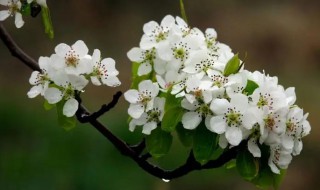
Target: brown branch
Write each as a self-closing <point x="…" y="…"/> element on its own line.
<point x="134" y="152"/>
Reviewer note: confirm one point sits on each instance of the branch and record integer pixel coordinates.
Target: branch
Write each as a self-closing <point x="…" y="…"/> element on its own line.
<point x="134" y="152"/>
<point x="16" y="51"/>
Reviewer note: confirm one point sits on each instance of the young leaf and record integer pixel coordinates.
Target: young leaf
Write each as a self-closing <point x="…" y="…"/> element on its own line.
<point x="48" y="106"/>
<point x="247" y="165"/>
<point x="46" y="19"/>
<point x="171" y="119"/>
<point x="158" y="143"/>
<point x="65" y="122"/>
<point x="232" y="66"/>
<point x="185" y="136"/>
<point x="251" y="86"/>
<point x="204" y="143"/>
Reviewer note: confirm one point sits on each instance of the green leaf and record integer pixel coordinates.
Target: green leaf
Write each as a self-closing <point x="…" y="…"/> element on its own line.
<point x="232" y="66"/>
<point x="25" y="9"/>
<point x="65" y="122"/>
<point x="266" y="178"/>
<point x="231" y="164"/>
<point x="171" y="119"/>
<point x="183" y="11"/>
<point x="204" y="143"/>
<point x="158" y="143"/>
<point x="251" y="86"/>
<point x="185" y="136"/>
<point x="46" y="19"/>
<point x="247" y="165"/>
<point x="48" y="106"/>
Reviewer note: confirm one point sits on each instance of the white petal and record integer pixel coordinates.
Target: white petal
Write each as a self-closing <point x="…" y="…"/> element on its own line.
<point x="80" y="48"/>
<point x="192" y="84"/>
<point x="297" y="147"/>
<point x="18" y="20"/>
<point x="234" y="135"/>
<point x="35" y="91"/>
<point x="4" y="15"/>
<point x="191" y="98"/>
<point x="95" y="80"/>
<point x="132" y="96"/>
<point x="70" y="107"/>
<point x="211" y="33"/>
<point x="6" y="2"/>
<point x="62" y="49"/>
<point x="111" y="81"/>
<point x="53" y="95"/>
<point x="287" y="142"/>
<point x="219" y="106"/>
<point x="149" y="27"/>
<point x="217" y="124"/>
<point x="132" y="125"/>
<point x="191" y="120"/>
<point x="167" y="22"/>
<point x="135" y="110"/>
<point x="147" y="85"/>
<point x="189" y="106"/>
<point x="223" y="142"/>
<point x="135" y="54"/>
<point x="147" y="43"/>
<point x="96" y="56"/>
<point x="254" y="148"/>
<point x="165" y="51"/>
<point x="148" y="127"/>
<point x="34" y="80"/>
<point x="240" y="101"/>
<point x="78" y="82"/>
<point x="144" y="68"/>
<point x="159" y="66"/>
<point x="273" y="167"/>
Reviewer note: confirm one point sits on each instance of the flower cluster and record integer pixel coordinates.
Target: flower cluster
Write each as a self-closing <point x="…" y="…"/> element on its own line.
<point x="67" y="72"/>
<point x="17" y="8"/>
<point x="211" y="86"/>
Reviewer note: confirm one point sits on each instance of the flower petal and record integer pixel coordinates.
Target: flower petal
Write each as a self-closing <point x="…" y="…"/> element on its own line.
<point x="111" y="81"/>
<point x="132" y="96"/>
<point x="70" y="107"/>
<point x="4" y="15"/>
<point x="135" y="110"/>
<point x="234" y="135"/>
<point x="219" y="106"/>
<point x="135" y="54"/>
<point x="53" y="95"/>
<point x="144" y="68"/>
<point x="254" y="148"/>
<point x="217" y="124"/>
<point x="18" y="20"/>
<point x="80" y="48"/>
<point x="35" y="91"/>
<point x="148" y="127"/>
<point x="191" y="120"/>
<point x="62" y="49"/>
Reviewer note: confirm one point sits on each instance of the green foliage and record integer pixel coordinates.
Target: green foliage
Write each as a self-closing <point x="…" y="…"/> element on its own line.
<point x="46" y="19"/>
<point x="158" y="143"/>
<point x="233" y="66"/>
<point x="171" y="119"/>
<point x="204" y="143"/>
<point x="67" y="123"/>
<point x="25" y="9"/>
<point x="47" y="106"/>
<point x="247" y="165"/>
<point x="251" y="86"/>
<point x="185" y="136"/>
<point x="183" y="11"/>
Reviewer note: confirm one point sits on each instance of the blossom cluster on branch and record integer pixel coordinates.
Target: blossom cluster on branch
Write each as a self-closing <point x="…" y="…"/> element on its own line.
<point x="182" y="76"/>
<point x="68" y="71"/>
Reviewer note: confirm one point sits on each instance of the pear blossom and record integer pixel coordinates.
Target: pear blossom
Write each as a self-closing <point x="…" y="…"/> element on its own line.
<point x="73" y="59"/>
<point x="232" y="118"/>
<point x="104" y="71"/>
<point x="40" y="80"/>
<point x="141" y="100"/>
<point x="14" y="7"/>
<point x="151" y="118"/>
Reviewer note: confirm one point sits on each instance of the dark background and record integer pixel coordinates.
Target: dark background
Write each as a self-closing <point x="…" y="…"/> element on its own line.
<point x="281" y="37"/>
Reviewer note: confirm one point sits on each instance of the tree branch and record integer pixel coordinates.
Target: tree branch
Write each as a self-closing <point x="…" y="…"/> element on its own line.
<point x="134" y="152"/>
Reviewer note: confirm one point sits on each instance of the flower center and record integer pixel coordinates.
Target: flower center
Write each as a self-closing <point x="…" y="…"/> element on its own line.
<point x="153" y="115"/>
<point x="233" y="117"/>
<point x="13" y="8"/>
<point x="72" y="59"/>
<point x="269" y="122"/>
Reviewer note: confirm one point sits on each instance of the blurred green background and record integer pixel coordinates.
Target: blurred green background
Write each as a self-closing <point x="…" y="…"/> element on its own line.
<point x="281" y="37"/>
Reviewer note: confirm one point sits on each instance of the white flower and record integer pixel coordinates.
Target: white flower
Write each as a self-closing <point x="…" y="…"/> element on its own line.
<point x="279" y="158"/>
<point x="14" y="7"/>
<point x="147" y="60"/>
<point x="142" y="99"/>
<point x="155" y="34"/>
<point x="104" y="71"/>
<point x="68" y="85"/>
<point x="74" y="60"/>
<point x="150" y="119"/>
<point x="40" y="80"/>
<point x="232" y="118"/>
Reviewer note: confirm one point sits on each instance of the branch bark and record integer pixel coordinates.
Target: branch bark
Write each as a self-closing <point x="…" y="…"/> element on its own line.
<point x="134" y="152"/>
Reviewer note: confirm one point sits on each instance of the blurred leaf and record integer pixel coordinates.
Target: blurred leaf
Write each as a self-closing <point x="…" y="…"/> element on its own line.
<point x="232" y="66"/>
<point x="204" y="143"/>
<point x="25" y="8"/>
<point x="185" y="136"/>
<point x="48" y="106"/>
<point x="158" y="142"/>
<point x="183" y="11"/>
<point x="171" y="119"/>
<point x="46" y="19"/>
<point x="231" y="164"/>
<point x="67" y="123"/>
<point x="251" y="86"/>
<point x="247" y="165"/>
